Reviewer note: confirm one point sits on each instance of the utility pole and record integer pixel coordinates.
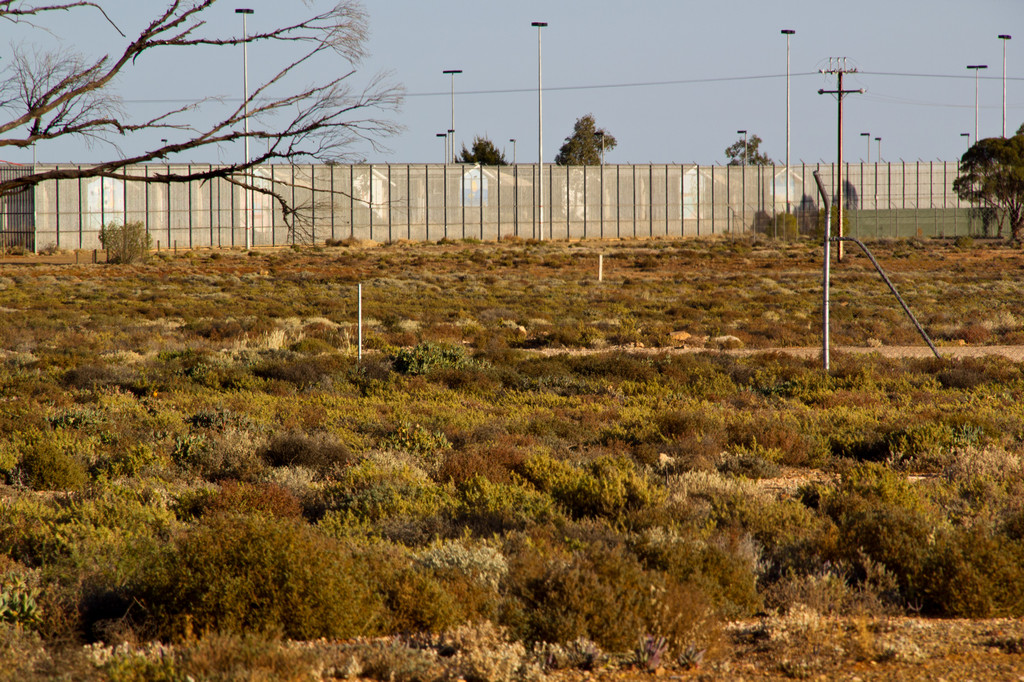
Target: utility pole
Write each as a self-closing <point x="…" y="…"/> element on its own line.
<point x="837" y="66"/>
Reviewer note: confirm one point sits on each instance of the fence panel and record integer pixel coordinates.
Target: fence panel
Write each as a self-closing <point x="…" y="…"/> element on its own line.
<point x="454" y="201"/>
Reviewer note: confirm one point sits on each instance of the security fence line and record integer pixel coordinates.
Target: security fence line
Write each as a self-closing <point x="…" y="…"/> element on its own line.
<point x="428" y="202"/>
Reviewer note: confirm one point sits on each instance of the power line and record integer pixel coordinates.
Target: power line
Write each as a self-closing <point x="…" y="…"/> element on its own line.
<point x="614" y="86"/>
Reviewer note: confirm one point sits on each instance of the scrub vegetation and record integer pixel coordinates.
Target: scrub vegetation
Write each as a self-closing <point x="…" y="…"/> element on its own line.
<point x="528" y="472"/>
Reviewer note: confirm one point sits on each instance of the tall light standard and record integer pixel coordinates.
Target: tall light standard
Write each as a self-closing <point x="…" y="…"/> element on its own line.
<point x="451" y="137"/>
<point x="452" y="73"/>
<point x="540" y="131"/>
<point x="743" y="183"/>
<point x="787" y="32"/>
<point x="868" y="136"/>
<point x="445" y="136"/>
<point x="600" y="135"/>
<point x="245" y="103"/>
<point x="515" y="185"/>
<point x="1004" y="37"/>
<point x="977" y="68"/>
<point x="879" y="141"/>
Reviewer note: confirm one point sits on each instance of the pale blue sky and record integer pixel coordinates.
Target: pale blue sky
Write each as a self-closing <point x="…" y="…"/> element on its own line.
<point x="673" y="81"/>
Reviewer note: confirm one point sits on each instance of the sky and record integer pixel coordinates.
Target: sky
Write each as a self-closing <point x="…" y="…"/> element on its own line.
<point x="672" y="80"/>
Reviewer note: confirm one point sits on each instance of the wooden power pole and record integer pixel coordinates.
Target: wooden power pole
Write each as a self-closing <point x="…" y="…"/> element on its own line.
<point x="837" y="66"/>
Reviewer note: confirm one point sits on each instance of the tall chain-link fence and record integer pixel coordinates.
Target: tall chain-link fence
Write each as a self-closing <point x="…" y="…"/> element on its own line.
<point x="432" y="202"/>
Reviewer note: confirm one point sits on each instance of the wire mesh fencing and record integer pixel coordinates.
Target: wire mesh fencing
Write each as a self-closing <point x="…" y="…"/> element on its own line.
<point x="430" y="202"/>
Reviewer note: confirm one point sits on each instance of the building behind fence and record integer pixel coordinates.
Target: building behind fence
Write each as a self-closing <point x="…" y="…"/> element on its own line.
<point x="424" y="202"/>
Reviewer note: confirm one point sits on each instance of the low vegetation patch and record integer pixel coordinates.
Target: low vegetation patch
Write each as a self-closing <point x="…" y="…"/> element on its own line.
<point x="524" y="461"/>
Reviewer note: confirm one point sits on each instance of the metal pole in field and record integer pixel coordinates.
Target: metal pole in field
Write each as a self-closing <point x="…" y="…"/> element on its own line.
<point x="515" y="185"/>
<point x="787" y="32"/>
<point x="1004" y="37"/>
<point x="976" y="68"/>
<point x="825" y="277"/>
<point x="359" y="294"/>
<point x="452" y="72"/>
<point x="743" y="183"/>
<point x="245" y="103"/>
<point x="540" y="132"/>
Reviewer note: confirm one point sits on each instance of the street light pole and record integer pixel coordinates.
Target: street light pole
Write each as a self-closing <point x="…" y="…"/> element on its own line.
<point x="968" y="136"/>
<point x="600" y="135"/>
<point x="452" y="73"/>
<point x="868" y="136"/>
<point x="787" y="32"/>
<point x="245" y="103"/>
<point x="977" y="68"/>
<point x="879" y="141"/>
<point x="1004" y="37"/>
<point x="743" y="183"/>
<point x="515" y="185"/>
<point x="540" y="131"/>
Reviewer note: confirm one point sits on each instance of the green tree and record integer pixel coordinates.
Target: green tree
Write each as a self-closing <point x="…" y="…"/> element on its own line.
<point x="583" y="147"/>
<point x="484" y="152"/>
<point x="753" y="155"/>
<point x="992" y="177"/>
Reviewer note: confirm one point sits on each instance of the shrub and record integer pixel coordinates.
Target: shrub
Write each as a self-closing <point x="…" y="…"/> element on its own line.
<point x="319" y="452"/>
<point x="387" y="498"/>
<point x="304" y="372"/>
<point x="47" y="462"/>
<point x="131" y="461"/>
<point x="754" y="462"/>
<point x="488" y="507"/>
<point x="722" y="570"/>
<point x="127" y="243"/>
<point x="257" y="499"/>
<point x="416" y="440"/>
<point x="89" y="377"/>
<point x="602" y="593"/>
<point x="240" y="575"/>
<point x="975" y="573"/>
<point x="427" y="356"/>
<point x="607" y="487"/>
<point x="879" y="515"/>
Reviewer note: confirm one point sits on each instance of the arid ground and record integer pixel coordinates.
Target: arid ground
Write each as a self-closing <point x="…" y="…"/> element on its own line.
<point x="513" y="470"/>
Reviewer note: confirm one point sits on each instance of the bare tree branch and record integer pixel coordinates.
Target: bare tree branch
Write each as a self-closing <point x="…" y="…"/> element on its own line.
<point x="55" y="94"/>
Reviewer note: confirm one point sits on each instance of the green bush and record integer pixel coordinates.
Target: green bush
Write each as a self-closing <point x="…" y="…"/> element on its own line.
<point x="420" y="598"/>
<point x="50" y="462"/>
<point x="488" y="507"/>
<point x="241" y="575"/>
<point x="975" y="573"/>
<point x="600" y="592"/>
<point x="879" y="515"/>
<point x="127" y="243"/>
<point x="427" y="356"/>
<point x="607" y="487"/>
